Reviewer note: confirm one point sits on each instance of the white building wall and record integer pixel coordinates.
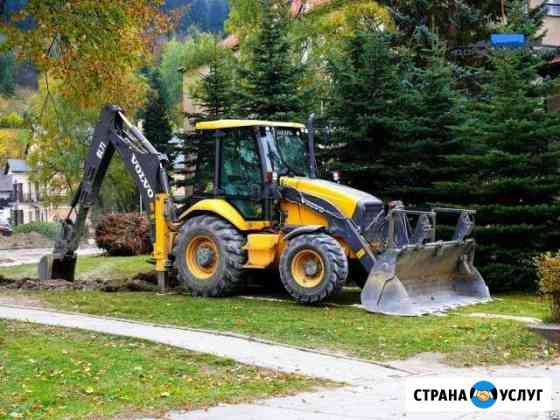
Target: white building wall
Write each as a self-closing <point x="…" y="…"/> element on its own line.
<point x="551" y="23"/>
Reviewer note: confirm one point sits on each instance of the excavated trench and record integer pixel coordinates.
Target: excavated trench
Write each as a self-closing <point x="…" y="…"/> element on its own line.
<point x="140" y="283"/>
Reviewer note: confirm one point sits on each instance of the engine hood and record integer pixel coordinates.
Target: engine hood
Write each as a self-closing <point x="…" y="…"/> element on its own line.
<point x="351" y="202"/>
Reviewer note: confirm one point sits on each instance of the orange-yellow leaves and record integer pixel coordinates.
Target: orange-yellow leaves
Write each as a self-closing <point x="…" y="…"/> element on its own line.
<point x="93" y="47"/>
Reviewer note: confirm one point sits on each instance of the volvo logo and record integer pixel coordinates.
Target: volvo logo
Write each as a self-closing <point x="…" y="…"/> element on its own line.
<point x="142" y="176"/>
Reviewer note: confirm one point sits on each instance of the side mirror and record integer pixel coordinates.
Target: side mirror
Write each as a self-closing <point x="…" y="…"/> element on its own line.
<point x="336" y="176"/>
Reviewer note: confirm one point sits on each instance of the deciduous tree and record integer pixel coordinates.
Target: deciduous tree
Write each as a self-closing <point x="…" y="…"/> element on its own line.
<point x="93" y="47"/>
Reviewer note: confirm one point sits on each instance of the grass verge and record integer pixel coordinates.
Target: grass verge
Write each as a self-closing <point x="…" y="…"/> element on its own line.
<point x="48" y="372"/>
<point x="463" y="340"/>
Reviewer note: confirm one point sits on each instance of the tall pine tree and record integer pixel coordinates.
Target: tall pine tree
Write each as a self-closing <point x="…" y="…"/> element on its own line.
<point x="428" y="107"/>
<point x="393" y="117"/>
<point x="366" y="89"/>
<point x="215" y="91"/>
<point x="157" y="126"/>
<point x="508" y="170"/>
<point x="270" y="87"/>
<point x="7" y="82"/>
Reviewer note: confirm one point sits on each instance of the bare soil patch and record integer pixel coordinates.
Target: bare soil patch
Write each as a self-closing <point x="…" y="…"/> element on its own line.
<point x="140" y="283"/>
<point x="13" y="297"/>
<point x="25" y="240"/>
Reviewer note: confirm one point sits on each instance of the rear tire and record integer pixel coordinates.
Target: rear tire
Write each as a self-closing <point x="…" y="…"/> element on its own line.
<point x="209" y="257"/>
<point x="313" y="267"/>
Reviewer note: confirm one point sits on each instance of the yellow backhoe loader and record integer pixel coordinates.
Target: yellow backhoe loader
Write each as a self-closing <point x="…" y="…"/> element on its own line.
<point x="255" y="203"/>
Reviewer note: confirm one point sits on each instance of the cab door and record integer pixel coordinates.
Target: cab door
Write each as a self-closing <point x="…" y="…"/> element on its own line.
<point x="241" y="175"/>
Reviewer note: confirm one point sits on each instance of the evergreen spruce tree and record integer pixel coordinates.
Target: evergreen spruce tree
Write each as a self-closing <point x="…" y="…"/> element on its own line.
<point x="523" y="20"/>
<point x="215" y="92"/>
<point x="393" y="118"/>
<point x="7" y="82"/>
<point x="363" y="108"/>
<point x="459" y="23"/>
<point x="427" y="108"/>
<point x="270" y="84"/>
<point x="508" y="170"/>
<point x="157" y="126"/>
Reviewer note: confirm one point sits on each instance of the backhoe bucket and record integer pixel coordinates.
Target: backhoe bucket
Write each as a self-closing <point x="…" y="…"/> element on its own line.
<point x="421" y="279"/>
<point x="60" y="268"/>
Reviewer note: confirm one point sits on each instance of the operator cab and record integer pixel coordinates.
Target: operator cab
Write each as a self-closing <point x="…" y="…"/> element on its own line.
<point x="241" y="160"/>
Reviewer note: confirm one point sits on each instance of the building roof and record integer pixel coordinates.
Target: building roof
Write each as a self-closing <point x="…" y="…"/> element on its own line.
<point x="231" y="42"/>
<point x="16" y="165"/>
<point x="216" y="125"/>
<point x="295" y="7"/>
<point x="5" y="183"/>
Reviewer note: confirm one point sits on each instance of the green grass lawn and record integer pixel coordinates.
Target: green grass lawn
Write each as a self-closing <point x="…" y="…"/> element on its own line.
<point x="518" y="304"/>
<point x="55" y="373"/>
<point x="464" y="340"/>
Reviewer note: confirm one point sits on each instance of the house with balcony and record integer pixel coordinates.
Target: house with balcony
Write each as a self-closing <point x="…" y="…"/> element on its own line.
<point x="20" y="198"/>
<point x="5" y="198"/>
<point x="24" y="199"/>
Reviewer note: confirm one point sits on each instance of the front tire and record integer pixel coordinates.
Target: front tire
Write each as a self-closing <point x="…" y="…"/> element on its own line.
<point x="209" y="257"/>
<point x="313" y="267"/>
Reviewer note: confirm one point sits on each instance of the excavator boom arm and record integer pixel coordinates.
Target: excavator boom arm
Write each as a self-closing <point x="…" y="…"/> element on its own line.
<point x="147" y="166"/>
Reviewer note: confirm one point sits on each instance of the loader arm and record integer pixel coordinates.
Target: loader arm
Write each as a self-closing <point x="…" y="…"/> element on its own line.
<point x="147" y="166"/>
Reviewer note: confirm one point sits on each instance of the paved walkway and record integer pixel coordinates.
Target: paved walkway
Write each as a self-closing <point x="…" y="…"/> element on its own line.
<point x="9" y="257"/>
<point x="373" y="391"/>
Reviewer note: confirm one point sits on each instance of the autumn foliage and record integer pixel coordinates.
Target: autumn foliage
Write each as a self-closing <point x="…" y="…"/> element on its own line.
<point x="124" y="234"/>
<point x="548" y="271"/>
<point x="93" y="47"/>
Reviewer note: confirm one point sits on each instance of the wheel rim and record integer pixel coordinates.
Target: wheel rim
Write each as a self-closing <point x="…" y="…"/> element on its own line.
<point x="308" y="268"/>
<point x="202" y="257"/>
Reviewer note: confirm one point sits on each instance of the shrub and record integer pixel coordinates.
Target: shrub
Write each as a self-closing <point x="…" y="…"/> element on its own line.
<point x="12" y="120"/>
<point x="48" y="229"/>
<point x="124" y="234"/>
<point x="548" y="271"/>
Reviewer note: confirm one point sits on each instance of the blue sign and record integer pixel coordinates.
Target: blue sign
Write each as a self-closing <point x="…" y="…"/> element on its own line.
<point x="507" y="40"/>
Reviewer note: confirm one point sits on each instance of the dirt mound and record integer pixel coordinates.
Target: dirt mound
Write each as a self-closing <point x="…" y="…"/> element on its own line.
<point x="141" y="283"/>
<point x="25" y="240"/>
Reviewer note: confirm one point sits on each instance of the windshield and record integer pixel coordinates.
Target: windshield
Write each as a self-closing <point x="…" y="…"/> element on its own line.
<point x="288" y="151"/>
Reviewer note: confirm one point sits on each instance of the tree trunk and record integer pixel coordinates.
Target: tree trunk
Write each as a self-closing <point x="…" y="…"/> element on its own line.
<point x="556" y="307"/>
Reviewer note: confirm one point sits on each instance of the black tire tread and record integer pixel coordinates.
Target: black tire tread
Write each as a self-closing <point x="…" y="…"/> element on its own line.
<point x="234" y="256"/>
<point x="335" y="255"/>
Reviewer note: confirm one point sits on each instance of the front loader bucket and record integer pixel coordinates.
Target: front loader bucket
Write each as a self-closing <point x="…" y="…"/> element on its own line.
<point x="55" y="267"/>
<point x="420" y="279"/>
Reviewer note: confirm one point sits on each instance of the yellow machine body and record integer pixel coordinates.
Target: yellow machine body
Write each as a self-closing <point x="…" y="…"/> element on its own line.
<point x="264" y="248"/>
<point x="312" y="222"/>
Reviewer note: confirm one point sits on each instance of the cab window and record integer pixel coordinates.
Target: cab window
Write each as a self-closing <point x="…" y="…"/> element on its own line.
<point x="241" y="178"/>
